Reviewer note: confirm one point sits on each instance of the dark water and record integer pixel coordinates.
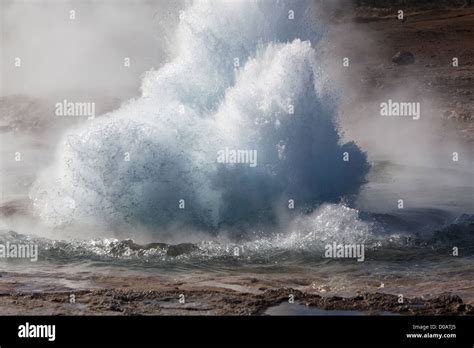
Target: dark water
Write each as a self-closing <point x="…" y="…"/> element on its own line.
<point x="299" y="309"/>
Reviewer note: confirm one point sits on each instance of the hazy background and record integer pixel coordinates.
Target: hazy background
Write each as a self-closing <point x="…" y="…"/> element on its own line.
<point x="84" y="55"/>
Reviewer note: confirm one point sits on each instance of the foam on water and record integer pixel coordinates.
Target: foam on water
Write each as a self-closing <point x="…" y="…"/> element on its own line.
<point x="305" y="242"/>
<point x="201" y="103"/>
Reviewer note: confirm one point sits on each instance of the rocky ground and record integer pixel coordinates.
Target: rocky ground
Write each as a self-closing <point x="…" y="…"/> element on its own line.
<point x="152" y="297"/>
<point x="434" y="35"/>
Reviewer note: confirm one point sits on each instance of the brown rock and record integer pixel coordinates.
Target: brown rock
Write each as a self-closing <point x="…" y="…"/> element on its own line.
<point x="403" y="58"/>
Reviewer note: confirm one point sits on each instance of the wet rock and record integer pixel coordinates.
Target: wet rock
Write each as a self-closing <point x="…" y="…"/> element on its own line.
<point x="155" y="246"/>
<point x="335" y="298"/>
<point x="179" y="249"/>
<point x="115" y="307"/>
<point x="403" y="58"/>
<point x="447" y="299"/>
<point x="469" y="310"/>
<point x="229" y="302"/>
<point x="125" y="246"/>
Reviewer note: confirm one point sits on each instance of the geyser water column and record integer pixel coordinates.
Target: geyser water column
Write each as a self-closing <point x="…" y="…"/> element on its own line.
<point x="197" y="105"/>
<point x="275" y="108"/>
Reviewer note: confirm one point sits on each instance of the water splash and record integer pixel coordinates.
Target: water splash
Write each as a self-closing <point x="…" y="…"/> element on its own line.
<point x="241" y="70"/>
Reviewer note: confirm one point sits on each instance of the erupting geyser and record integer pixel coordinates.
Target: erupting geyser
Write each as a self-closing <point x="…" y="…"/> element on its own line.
<point x="245" y="77"/>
